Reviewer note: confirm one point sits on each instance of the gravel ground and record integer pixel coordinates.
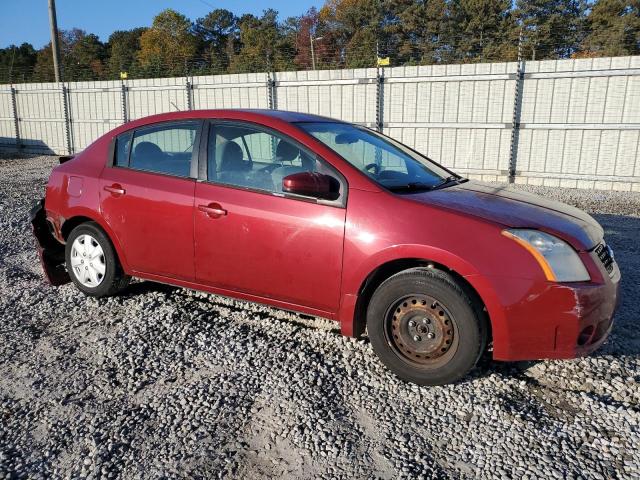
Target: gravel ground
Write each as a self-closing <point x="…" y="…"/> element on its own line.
<point x="165" y="382"/>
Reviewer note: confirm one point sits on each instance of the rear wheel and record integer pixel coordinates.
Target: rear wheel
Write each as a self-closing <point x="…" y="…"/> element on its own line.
<point x="425" y="328"/>
<point x="92" y="262"/>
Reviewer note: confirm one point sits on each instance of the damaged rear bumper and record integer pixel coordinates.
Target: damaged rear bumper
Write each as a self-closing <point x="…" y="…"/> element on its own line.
<point x="50" y="251"/>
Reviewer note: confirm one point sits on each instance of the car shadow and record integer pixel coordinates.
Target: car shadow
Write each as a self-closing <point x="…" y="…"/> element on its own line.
<point x="146" y="286"/>
<point x="298" y="319"/>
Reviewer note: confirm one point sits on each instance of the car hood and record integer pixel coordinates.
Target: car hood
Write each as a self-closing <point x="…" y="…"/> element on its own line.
<point x="516" y="210"/>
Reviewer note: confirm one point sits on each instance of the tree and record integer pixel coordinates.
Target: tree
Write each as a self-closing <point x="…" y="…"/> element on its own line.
<point x="123" y="46"/>
<point x="424" y="27"/>
<point x="613" y="28"/>
<point x="261" y="44"/>
<point x="169" y="45"/>
<point x="345" y="33"/>
<point x="213" y="32"/>
<point x="85" y="56"/>
<point x="482" y="30"/>
<point x="305" y="27"/>
<point x="358" y="29"/>
<point x="82" y="57"/>
<point x="16" y="63"/>
<point x="43" y="69"/>
<point x="551" y="28"/>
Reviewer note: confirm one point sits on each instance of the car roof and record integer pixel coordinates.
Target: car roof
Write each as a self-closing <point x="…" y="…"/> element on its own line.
<point x="289" y="116"/>
<point x="232" y="114"/>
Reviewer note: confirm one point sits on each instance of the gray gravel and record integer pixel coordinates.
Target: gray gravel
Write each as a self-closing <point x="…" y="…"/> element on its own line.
<point x="165" y="382"/>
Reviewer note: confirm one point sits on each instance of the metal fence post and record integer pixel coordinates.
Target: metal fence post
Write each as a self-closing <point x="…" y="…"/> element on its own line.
<point x="189" y="87"/>
<point x="517" y="110"/>
<point x="271" y="91"/>
<point x="16" y="119"/>
<point x="123" y="102"/>
<point x="379" y="99"/>
<point x="67" y="119"/>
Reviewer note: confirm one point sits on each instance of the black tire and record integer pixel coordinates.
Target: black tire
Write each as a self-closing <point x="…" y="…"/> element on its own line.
<point x="425" y="328"/>
<point x="114" y="278"/>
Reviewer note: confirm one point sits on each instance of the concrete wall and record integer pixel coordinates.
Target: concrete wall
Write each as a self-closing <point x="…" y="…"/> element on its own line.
<point x="574" y="123"/>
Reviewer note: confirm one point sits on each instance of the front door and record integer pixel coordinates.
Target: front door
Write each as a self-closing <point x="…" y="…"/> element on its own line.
<point x="250" y="237"/>
<point x="147" y="198"/>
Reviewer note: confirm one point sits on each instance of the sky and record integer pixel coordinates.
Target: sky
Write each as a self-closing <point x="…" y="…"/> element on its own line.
<point x="28" y="20"/>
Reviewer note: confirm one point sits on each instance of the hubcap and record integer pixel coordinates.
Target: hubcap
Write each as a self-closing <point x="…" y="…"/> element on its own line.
<point x="87" y="261"/>
<point x="421" y="330"/>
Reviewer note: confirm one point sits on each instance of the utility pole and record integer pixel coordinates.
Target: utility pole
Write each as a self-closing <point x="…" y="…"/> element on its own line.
<point x="55" y="46"/>
<point x="313" y="53"/>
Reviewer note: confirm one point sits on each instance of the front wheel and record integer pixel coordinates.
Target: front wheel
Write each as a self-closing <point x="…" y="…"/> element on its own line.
<point x="92" y="262"/>
<point x="425" y="328"/>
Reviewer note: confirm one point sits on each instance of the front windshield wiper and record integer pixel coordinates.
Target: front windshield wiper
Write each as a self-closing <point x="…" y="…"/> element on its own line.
<point x="410" y="187"/>
<point x="445" y="182"/>
<point x="415" y="186"/>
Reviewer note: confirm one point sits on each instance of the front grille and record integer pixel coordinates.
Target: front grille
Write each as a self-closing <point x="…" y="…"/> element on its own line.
<point x="604" y="254"/>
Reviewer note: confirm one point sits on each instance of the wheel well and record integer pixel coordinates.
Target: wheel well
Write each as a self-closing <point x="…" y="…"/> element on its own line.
<point x="386" y="270"/>
<point x="71" y="223"/>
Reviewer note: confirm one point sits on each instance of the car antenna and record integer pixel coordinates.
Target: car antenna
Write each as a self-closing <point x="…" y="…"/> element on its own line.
<point x="174" y="106"/>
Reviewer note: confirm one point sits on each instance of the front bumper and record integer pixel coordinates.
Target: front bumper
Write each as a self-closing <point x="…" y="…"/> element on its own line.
<point x="554" y="320"/>
<point x="50" y="251"/>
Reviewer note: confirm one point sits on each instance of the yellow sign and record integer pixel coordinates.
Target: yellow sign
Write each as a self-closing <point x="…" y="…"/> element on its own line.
<point x="383" y="62"/>
<point x="123" y="75"/>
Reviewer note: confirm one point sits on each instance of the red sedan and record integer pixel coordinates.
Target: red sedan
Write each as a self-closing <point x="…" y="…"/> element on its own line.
<point x="331" y="219"/>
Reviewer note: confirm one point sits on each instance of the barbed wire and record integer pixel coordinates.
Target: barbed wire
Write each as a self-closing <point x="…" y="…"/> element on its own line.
<point x="450" y="50"/>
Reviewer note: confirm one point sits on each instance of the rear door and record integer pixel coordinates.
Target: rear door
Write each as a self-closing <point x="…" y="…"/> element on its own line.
<point x="147" y="197"/>
<point x="250" y="237"/>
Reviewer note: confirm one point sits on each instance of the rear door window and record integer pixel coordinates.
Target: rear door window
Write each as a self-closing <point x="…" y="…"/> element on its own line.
<point x="164" y="149"/>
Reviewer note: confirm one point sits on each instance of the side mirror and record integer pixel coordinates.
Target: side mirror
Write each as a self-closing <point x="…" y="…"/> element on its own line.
<point x="312" y="184"/>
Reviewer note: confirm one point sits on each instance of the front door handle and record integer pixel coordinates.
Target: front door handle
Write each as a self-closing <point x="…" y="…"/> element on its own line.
<point x="115" y="189"/>
<point x="213" y="210"/>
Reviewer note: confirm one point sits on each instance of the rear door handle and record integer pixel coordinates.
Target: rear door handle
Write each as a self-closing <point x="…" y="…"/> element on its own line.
<point x="213" y="210"/>
<point x="115" y="189"/>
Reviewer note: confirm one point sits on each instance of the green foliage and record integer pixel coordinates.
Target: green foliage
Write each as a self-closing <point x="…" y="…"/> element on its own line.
<point x="16" y="63"/>
<point x="344" y="33"/>
<point x="481" y="29"/>
<point x="614" y="29"/>
<point x="213" y="33"/>
<point x="123" y="47"/>
<point x="357" y="27"/>
<point x="169" y="45"/>
<point x="260" y="45"/>
<point x="424" y="28"/>
<point x="551" y="28"/>
<point x="82" y="57"/>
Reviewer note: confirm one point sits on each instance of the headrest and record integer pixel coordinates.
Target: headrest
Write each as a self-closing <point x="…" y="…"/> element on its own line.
<point x="286" y="152"/>
<point x="231" y="157"/>
<point x="146" y="150"/>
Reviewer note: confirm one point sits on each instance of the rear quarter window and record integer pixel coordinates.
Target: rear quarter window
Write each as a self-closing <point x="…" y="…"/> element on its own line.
<point x="123" y="142"/>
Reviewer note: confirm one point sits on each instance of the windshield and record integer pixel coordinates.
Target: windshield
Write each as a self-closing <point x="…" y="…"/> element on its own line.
<point x="386" y="161"/>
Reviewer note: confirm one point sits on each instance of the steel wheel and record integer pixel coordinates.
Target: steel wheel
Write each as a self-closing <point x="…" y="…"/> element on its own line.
<point x="87" y="261"/>
<point x="424" y="327"/>
<point x="421" y="331"/>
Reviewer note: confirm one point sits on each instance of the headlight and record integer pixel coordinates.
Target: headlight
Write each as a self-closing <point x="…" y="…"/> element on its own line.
<point x="559" y="262"/>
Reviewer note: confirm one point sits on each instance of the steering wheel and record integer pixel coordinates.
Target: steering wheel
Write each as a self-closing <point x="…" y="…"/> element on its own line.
<point x="374" y="166"/>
